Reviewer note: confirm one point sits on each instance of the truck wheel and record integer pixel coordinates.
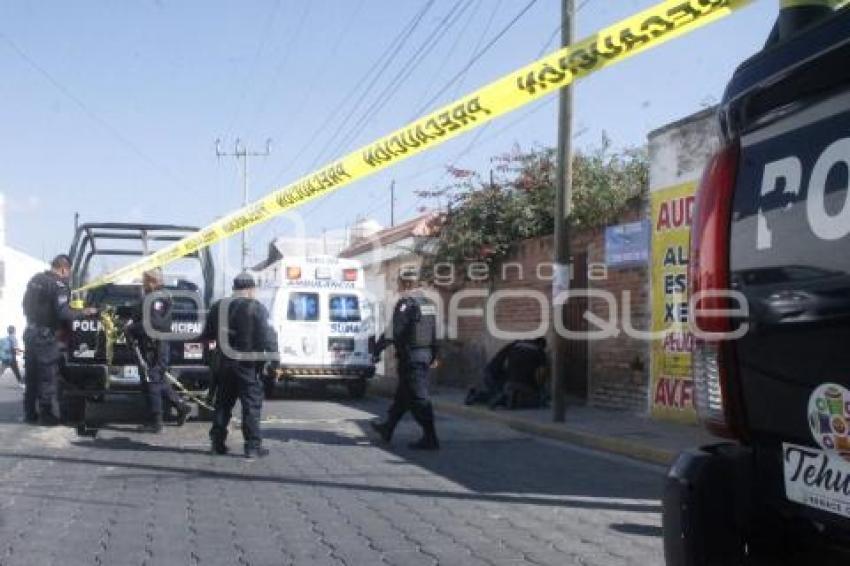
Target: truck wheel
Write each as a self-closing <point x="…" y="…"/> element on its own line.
<point x="357" y="389"/>
<point x="86" y="432"/>
<point x="72" y="409"/>
<point x="700" y="527"/>
<point x="205" y="414"/>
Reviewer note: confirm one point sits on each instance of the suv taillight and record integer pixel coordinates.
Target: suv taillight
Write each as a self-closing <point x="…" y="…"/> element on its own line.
<point x="709" y="271"/>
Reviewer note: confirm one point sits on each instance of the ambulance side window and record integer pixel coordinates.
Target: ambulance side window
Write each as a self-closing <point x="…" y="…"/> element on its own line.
<point x="344" y="308"/>
<point x="303" y="307"/>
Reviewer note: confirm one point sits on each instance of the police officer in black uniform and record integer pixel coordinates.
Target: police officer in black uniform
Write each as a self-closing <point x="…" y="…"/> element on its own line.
<point x="246" y="343"/>
<point x="414" y="325"/>
<point x="156" y="353"/>
<point x="47" y="309"/>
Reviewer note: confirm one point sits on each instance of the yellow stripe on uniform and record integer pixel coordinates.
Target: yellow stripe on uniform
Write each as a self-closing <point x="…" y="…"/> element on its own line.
<point x="628" y="37"/>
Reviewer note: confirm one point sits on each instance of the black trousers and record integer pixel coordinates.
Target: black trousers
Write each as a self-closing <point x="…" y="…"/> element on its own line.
<point x="412" y="395"/>
<point x="242" y="382"/>
<point x="41" y="352"/>
<point x="157" y="388"/>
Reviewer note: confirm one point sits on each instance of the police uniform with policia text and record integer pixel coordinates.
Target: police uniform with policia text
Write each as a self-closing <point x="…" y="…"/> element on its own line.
<point x="244" y="346"/>
<point x="414" y="337"/>
<point x="47" y="309"/>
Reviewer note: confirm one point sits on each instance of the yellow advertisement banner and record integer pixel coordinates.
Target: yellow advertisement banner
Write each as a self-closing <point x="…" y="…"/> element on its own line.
<point x="651" y="27"/>
<point x="672" y="386"/>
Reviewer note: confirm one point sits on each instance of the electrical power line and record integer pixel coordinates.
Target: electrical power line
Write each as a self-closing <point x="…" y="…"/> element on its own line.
<point x="401" y="76"/>
<point x="378" y="69"/>
<point x="476" y="57"/>
<point x="247" y="83"/>
<point x="484" y="129"/>
<point x="102" y="122"/>
<point x="404" y="73"/>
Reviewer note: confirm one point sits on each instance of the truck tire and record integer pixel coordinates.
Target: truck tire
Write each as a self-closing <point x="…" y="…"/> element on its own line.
<point x="72" y="409"/>
<point x="205" y="414"/>
<point x="85" y="431"/>
<point x="357" y="388"/>
<point x="700" y="526"/>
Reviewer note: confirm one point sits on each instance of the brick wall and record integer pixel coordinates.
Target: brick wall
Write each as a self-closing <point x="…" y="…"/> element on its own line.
<point x="617" y="372"/>
<point x="617" y="369"/>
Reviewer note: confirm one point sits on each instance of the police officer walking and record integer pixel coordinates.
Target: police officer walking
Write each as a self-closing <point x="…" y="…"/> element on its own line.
<point x="47" y="308"/>
<point x="414" y="326"/>
<point x="245" y="342"/>
<point x="156" y="353"/>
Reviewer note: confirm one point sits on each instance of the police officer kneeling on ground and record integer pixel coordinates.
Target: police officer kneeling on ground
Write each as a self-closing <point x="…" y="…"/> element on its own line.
<point x="47" y="308"/>
<point x="245" y="342"/>
<point x="156" y="353"/>
<point x="414" y="327"/>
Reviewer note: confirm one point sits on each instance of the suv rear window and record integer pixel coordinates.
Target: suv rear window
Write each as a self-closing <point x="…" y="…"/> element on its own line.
<point x="303" y="306"/>
<point x="344" y="308"/>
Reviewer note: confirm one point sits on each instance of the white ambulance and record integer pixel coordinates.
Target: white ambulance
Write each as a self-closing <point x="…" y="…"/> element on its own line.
<point x="324" y="321"/>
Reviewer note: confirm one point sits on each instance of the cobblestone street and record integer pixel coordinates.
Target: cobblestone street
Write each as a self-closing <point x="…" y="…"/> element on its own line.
<point x="328" y="494"/>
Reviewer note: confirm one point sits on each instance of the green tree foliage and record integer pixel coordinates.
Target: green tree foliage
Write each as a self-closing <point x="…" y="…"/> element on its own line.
<point x="485" y="217"/>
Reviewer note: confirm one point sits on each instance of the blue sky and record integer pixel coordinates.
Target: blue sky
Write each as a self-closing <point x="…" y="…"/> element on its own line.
<point x="112" y="108"/>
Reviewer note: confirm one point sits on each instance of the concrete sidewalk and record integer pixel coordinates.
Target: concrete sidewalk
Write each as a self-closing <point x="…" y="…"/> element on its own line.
<point x="618" y="432"/>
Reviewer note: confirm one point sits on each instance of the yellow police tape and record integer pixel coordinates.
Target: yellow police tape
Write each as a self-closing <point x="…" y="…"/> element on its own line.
<point x="812" y="3"/>
<point x="628" y="37"/>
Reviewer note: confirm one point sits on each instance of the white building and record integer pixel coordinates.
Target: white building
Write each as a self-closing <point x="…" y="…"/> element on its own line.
<point x="16" y="269"/>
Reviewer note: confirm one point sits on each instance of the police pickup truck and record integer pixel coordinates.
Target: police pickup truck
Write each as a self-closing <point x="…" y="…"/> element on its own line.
<point x="88" y="376"/>
<point x="771" y="241"/>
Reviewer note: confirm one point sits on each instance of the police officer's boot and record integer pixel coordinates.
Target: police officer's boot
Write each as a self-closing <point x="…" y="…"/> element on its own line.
<point x="154" y="426"/>
<point x="252" y="452"/>
<point x="183" y="412"/>
<point x="429" y="439"/>
<point x="219" y="447"/>
<point x="384" y="430"/>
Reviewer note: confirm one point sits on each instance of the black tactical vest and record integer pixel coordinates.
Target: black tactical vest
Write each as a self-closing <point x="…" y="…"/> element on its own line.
<point x="415" y="323"/>
<point x="40" y="301"/>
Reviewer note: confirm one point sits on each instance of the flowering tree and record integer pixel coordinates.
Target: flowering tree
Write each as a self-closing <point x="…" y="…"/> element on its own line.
<point x="486" y="217"/>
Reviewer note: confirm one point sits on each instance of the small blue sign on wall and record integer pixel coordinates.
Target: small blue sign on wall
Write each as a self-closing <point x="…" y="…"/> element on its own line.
<point x="627" y="244"/>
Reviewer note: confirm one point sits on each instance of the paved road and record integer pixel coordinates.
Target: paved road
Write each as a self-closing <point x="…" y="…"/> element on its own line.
<point x="329" y="494"/>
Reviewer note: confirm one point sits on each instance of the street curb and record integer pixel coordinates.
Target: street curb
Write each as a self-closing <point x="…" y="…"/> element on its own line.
<point x="560" y="432"/>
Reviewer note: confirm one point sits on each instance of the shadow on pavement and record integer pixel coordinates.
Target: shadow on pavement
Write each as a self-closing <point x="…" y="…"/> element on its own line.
<point x="127" y="444"/>
<point x="636" y="529"/>
<point x="488" y="458"/>
<point x="194" y="473"/>
<point x="311" y="392"/>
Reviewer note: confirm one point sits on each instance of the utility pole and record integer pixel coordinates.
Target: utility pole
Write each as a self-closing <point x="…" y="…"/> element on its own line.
<point x="563" y="192"/>
<point x="241" y="152"/>
<point x="392" y="203"/>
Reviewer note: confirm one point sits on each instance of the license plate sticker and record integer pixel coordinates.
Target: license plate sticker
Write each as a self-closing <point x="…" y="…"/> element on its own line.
<point x="816" y="478"/>
<point x="193" y="351"/>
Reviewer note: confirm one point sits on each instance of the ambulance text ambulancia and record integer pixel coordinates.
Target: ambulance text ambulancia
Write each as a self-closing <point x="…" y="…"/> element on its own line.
<point x="324" y="321"/>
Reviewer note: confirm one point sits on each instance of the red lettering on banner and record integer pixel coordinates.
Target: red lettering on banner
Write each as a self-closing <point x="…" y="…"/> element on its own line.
<point x="675" y="213"/>
<point x="674" y="393"/>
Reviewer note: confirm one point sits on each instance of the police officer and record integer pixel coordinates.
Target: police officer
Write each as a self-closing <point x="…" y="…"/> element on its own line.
<point x="414" y="327"/>
<point x="245" y="342"/>
<point x="156" y="353"/>
<point x="47" y="308"/>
